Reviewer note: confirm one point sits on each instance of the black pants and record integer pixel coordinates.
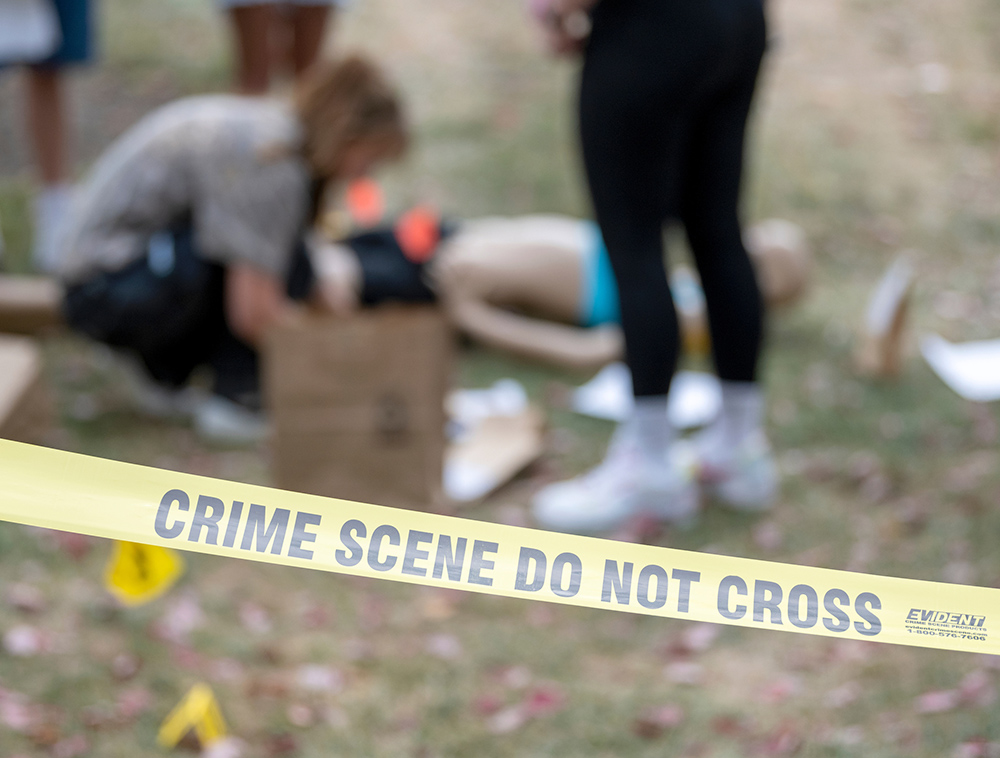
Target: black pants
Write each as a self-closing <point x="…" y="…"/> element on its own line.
<point x="664" y="97"/>
<point x="171" y="312"/>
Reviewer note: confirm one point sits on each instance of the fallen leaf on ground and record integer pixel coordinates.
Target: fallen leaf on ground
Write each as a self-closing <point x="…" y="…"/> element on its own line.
<point x="124" y="666"/>
<point x="280" y="744"/>
<point x="652" y="722"/>
<point x="26" y="598"/>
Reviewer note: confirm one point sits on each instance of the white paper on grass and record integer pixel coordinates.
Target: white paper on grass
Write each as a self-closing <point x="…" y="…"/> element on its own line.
<point x="972" y="369"/>
<point x="467" y="409"/>
<point x="695" y="396"/>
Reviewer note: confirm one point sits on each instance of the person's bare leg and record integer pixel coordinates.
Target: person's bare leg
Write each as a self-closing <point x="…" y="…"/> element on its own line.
<point x="309" y="26"/>
<point x="252" y="27"/>
<point x="47" y="132"/>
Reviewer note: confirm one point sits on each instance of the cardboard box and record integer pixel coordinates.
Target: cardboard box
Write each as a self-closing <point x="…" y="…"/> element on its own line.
<point x="29" y="304"/>
<point x="357" y="405"/>
<point x="25" y="403"/>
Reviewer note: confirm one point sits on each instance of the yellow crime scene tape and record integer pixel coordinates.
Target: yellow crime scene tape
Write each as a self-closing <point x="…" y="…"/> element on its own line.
<point x="121" y="501"/>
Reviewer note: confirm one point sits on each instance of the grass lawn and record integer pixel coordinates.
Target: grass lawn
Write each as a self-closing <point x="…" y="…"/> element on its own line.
<point x="876" y="130"/>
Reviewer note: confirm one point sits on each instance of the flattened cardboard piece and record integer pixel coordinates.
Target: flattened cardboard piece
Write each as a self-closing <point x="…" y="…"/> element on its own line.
<point x="25" y="403"/>
<point x="492" y="453"/>
<point x="358" y="405"/>
<point x="29" y="304"/>
<point x="880" y="353"/>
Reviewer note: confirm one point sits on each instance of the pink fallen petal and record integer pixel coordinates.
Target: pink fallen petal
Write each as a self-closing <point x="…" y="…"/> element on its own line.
<point x="768" y="536"/>
<point x="187" y="658"/>
<point x="780" y="690"/>
<point x="24" y="641"/>
<point x="544" y="700"/>
<point x="314" y="678"/>
<point x="938" y="701"/>
<point x="18" y="715"/>
<point x="516" y="677"/>
<point x="227" y="670"/>
<point x="227" y="747"/>
<point x="848" y="736"/>
<point x="444" y="646"/>
<point x="976" y="748"/>
<point x="698" y="638"/>
<point x="487" y="705"/>
<point x="71" y="747"/>
<point x="315" y="616"/>
<point x="506" y="721"/>
<point x="781" y="742"/>
<point x="977" y="689"/>
<point x="182" y="616"/>
<point x="843" y="695"/>
<point x="685" y="672"/>
<point x="133" y="702"/>
<point x="76" y="546"/>
<point x="254" y="618"/>
<point x="300" y="715"/>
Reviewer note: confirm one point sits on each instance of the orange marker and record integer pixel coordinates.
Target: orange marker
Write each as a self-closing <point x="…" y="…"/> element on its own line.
<point x="365" y="202"/>
<point x="418" y="233"/>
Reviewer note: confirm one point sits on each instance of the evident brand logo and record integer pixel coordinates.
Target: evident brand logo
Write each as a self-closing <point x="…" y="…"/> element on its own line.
<point x="946" y="618"/>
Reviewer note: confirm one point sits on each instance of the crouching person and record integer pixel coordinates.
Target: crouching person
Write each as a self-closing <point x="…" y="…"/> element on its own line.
<point x="185" y="244"/>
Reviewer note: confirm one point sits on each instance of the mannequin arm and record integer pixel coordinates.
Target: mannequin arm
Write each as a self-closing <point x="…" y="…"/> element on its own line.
<point x="569" y="346"/>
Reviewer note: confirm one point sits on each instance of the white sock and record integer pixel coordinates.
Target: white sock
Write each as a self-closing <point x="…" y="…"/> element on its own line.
<point x="742" y="412"/>
<point x="648" y="428"/>
<point x="52" y="207"/>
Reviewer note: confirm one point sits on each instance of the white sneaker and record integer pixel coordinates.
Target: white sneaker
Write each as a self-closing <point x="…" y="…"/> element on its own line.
<point x="624" y="486"/>
<point x="217" y="419"/>
<point x="743" y="476"/>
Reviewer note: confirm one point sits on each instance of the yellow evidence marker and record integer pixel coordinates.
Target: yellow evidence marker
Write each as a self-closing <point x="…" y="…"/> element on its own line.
<point x="137" y="573"/>
<point x="196" y="714"/>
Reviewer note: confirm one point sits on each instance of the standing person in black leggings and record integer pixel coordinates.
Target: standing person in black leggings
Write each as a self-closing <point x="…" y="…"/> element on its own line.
<point x="664" y="97"/>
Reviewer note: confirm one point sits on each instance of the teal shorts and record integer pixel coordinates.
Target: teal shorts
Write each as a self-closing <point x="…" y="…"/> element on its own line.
<point x="599" y="296"/>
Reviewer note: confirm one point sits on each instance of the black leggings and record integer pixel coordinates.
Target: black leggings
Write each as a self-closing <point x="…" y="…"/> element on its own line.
<point x="664" y="97"/>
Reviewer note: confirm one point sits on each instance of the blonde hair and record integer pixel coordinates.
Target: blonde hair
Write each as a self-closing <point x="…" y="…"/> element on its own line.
<point x="343" y="103"/>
